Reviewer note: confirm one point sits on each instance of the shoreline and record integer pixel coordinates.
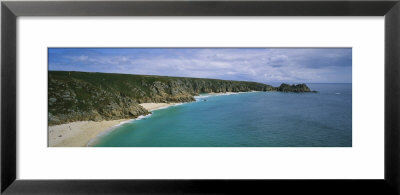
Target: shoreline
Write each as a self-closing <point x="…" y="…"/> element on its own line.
<point x="83" y="133"/>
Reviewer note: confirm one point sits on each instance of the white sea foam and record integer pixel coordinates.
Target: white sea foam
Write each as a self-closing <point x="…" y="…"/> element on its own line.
<point x="197" y="98"/>
<point x="108" y="131"/>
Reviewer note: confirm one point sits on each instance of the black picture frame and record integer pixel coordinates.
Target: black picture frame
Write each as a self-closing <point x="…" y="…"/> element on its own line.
<point x="11" y="10"/>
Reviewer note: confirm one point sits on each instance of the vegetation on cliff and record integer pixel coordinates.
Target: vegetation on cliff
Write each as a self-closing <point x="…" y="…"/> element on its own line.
<point x="81" y="96"/>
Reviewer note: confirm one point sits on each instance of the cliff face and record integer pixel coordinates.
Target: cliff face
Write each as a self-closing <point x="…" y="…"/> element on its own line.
<point x="81" y="96"/>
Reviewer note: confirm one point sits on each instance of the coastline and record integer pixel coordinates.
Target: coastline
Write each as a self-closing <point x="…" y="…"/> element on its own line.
<point x="82" y="133"/>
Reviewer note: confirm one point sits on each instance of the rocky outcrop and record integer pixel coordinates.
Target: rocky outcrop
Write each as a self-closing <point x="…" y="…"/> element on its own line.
<point x="293" y="88"/>
<point x="82" y="96"/>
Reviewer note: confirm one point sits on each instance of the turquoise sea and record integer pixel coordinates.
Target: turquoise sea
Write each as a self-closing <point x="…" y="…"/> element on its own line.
<point x="256" y="119"/>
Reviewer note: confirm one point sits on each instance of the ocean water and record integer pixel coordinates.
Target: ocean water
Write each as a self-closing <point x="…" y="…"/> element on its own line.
<point x="257" y="119"/>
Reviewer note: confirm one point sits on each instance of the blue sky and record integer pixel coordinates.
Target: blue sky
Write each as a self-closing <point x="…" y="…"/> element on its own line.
<point x="292" y="65"/>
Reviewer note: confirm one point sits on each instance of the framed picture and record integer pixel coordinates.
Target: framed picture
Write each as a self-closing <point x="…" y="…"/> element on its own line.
<point x="191" y="93"/>
<point x="200" y="97"/>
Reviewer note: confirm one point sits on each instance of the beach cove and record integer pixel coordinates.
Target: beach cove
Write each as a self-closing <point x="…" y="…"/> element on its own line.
<point x="83" y="133"/>
<point x="80" y="133"/>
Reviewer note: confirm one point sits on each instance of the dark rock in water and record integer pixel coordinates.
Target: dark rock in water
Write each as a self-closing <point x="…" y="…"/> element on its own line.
<point x="294" y="88"/>
<point x="204" y="100"/>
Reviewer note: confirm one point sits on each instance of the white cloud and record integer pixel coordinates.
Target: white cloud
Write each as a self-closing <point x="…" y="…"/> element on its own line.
<point x="263" y="65"/>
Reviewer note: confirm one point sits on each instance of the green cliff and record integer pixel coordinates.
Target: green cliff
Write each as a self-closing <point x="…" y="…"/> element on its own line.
<point x="81" y="96"/>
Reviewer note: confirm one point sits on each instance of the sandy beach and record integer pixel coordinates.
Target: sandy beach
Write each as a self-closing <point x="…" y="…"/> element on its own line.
<point x="155" y="106"/>
<point x="78" y="134"/>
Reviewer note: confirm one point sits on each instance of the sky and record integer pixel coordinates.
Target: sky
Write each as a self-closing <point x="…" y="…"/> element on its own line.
<point x="291" y="65"/>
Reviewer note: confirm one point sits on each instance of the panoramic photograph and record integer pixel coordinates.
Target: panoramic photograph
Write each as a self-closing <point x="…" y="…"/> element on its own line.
<point x="199" y="97"/>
